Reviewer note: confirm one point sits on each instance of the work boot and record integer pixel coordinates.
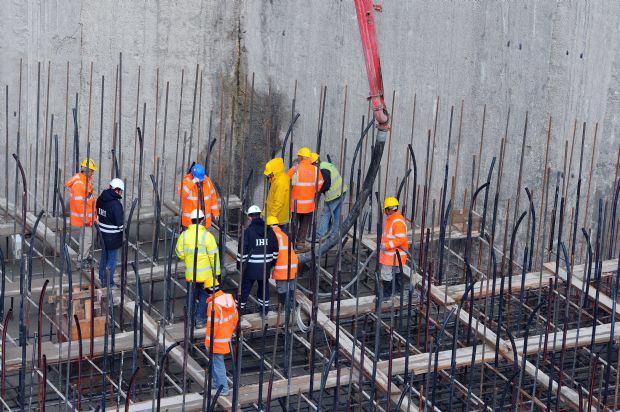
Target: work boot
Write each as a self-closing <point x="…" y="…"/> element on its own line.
<point x="265" y="312"/>
<point x="387" y="289"/>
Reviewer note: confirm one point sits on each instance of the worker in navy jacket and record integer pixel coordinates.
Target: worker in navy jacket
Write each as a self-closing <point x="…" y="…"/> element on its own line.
<point x="255" y="258"/>
<point x="110" y="214"/>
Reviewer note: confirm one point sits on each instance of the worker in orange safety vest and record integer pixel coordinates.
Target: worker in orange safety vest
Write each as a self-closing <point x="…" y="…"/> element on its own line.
<point x="306" y="182"/>
<point x="82" y="207"/>
<point x="188" y="189"/>
<point x="285" y="269"/>
<point x="222" y="318"/>
<point x="394" y="243"/>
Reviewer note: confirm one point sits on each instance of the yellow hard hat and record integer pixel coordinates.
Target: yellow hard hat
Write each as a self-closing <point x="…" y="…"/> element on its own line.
<point x="390" y="202"/>
<point x="89" y="163"/>
<point x="273" y="166"/>
<point x="272" y="220"/>
<point x="304" y="152"/>
<point x="314" y="157"/>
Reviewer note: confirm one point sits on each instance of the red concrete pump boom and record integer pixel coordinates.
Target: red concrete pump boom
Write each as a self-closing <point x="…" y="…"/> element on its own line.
<point x="366" y="22"/>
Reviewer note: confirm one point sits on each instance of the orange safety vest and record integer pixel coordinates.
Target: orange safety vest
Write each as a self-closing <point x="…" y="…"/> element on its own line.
<point x="394" y="238"/>
<point x="81" y="200"/>
<point x="280" y="271"/>
<point x="224" y="321"/>
<point x="306" y="180"/>
<point x="189" y="200"/>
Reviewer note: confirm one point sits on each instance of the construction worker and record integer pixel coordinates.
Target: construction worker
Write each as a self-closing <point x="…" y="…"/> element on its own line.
<point x="110" y="217"/>
<point x="255" y="259"/>
<point x="225" y="317"/>
<point x="394" y="243"/>
<point x="188" y="189"/>
<point x="277" y="203"/>
<point x="82" y="207"/>
<point x="333" y="192"/>
<point x="306" y="181"/>
<point x="285" y="268"/>
<point x="197" y="244"/>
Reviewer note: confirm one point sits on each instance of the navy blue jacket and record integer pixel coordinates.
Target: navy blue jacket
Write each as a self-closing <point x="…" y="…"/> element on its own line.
<point x="259" y="248"/>
<point x="110" y="214"/>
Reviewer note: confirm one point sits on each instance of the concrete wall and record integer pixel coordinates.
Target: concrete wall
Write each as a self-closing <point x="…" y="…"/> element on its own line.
<point x="548" y="58"/>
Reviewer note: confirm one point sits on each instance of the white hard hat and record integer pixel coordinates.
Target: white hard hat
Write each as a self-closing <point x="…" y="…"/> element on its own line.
<point x="253" y="210"/>
<point x="197" y="214"/>
<point x="117" y="183"/>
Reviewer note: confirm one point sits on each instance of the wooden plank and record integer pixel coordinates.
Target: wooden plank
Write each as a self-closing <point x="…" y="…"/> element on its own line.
<point x="533" y="280"/>
<point x="43" y="232"/>
<point x="418" y="364"/>
<point x="603" y="299"/>
<point x="345" y="342"/>
<point x="193" y="369"/>
<point x="7" y="229"/>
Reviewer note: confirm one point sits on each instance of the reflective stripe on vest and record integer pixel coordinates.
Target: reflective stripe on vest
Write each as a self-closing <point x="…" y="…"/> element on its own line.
<point x="335" y="189"/>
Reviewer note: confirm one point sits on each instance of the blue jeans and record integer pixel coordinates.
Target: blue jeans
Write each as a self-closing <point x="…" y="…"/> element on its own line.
<point x="330" y="214"/>
<point x="201" y="294"/>
<point x="219" y="373"/>
<point x="108" y="262"/>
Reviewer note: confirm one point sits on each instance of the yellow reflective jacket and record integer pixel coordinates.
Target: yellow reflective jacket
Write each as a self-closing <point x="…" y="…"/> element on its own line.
<point x="208" y="261"/>
<point x="278" y="197"/>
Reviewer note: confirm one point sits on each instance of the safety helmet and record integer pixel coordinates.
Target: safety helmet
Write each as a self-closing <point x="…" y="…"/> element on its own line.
<point x="314" y="157"/>
<point x="252" y="210"/>
<point x="198" y="171"/>
<point x="117" y="183"/>
<point x="272" y="220"/>
<point x="274" y="165"/>
<point x="304" y="152"/>
<point x="390" y="202"/>
<point x="196" y="214"/>
<point x="89" y="164"/>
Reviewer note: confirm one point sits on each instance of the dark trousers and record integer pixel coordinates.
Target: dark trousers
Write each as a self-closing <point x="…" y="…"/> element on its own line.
<point x="246" y="287"/>
<point x="304" y="223"/>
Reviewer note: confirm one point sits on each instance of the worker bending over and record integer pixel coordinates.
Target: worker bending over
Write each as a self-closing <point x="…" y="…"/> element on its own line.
<point x="394" y="243"/>
<point x="222" y="318"/>
<point x="255" y="258"/>
<point x="285" y="268"/>
<point x="190" y="196"/>
<point x="333" y="192"/>
<point x="278" y="198"/>
<point x="306" y="181"/>
<point x="197" y="244"/>
<point x="82" y="207"/>
<point x="110" y="217"/>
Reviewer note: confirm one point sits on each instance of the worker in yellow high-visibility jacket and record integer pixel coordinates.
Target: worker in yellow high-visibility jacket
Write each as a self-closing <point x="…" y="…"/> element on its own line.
<point x="197" y="243"/>
<point x="278" y="198"/>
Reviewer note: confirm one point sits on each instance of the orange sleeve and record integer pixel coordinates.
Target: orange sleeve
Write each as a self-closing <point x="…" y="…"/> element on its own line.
<point x="291" y="172"/>
<point x="215" y="208"/>
<point x="400" y="231"/>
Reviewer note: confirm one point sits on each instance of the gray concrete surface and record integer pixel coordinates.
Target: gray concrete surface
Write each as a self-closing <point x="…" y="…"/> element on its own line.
<point x="547" y="58"/>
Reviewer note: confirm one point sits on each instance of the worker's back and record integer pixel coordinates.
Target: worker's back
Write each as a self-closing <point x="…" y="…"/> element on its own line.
<point x="81" y="200"/>
<point x="278" y="198"/>
<point x="225" y="317"/>
<point x="198" y="239"/>
<point x="306" y="180"/>
<point x="255" y="254"/>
